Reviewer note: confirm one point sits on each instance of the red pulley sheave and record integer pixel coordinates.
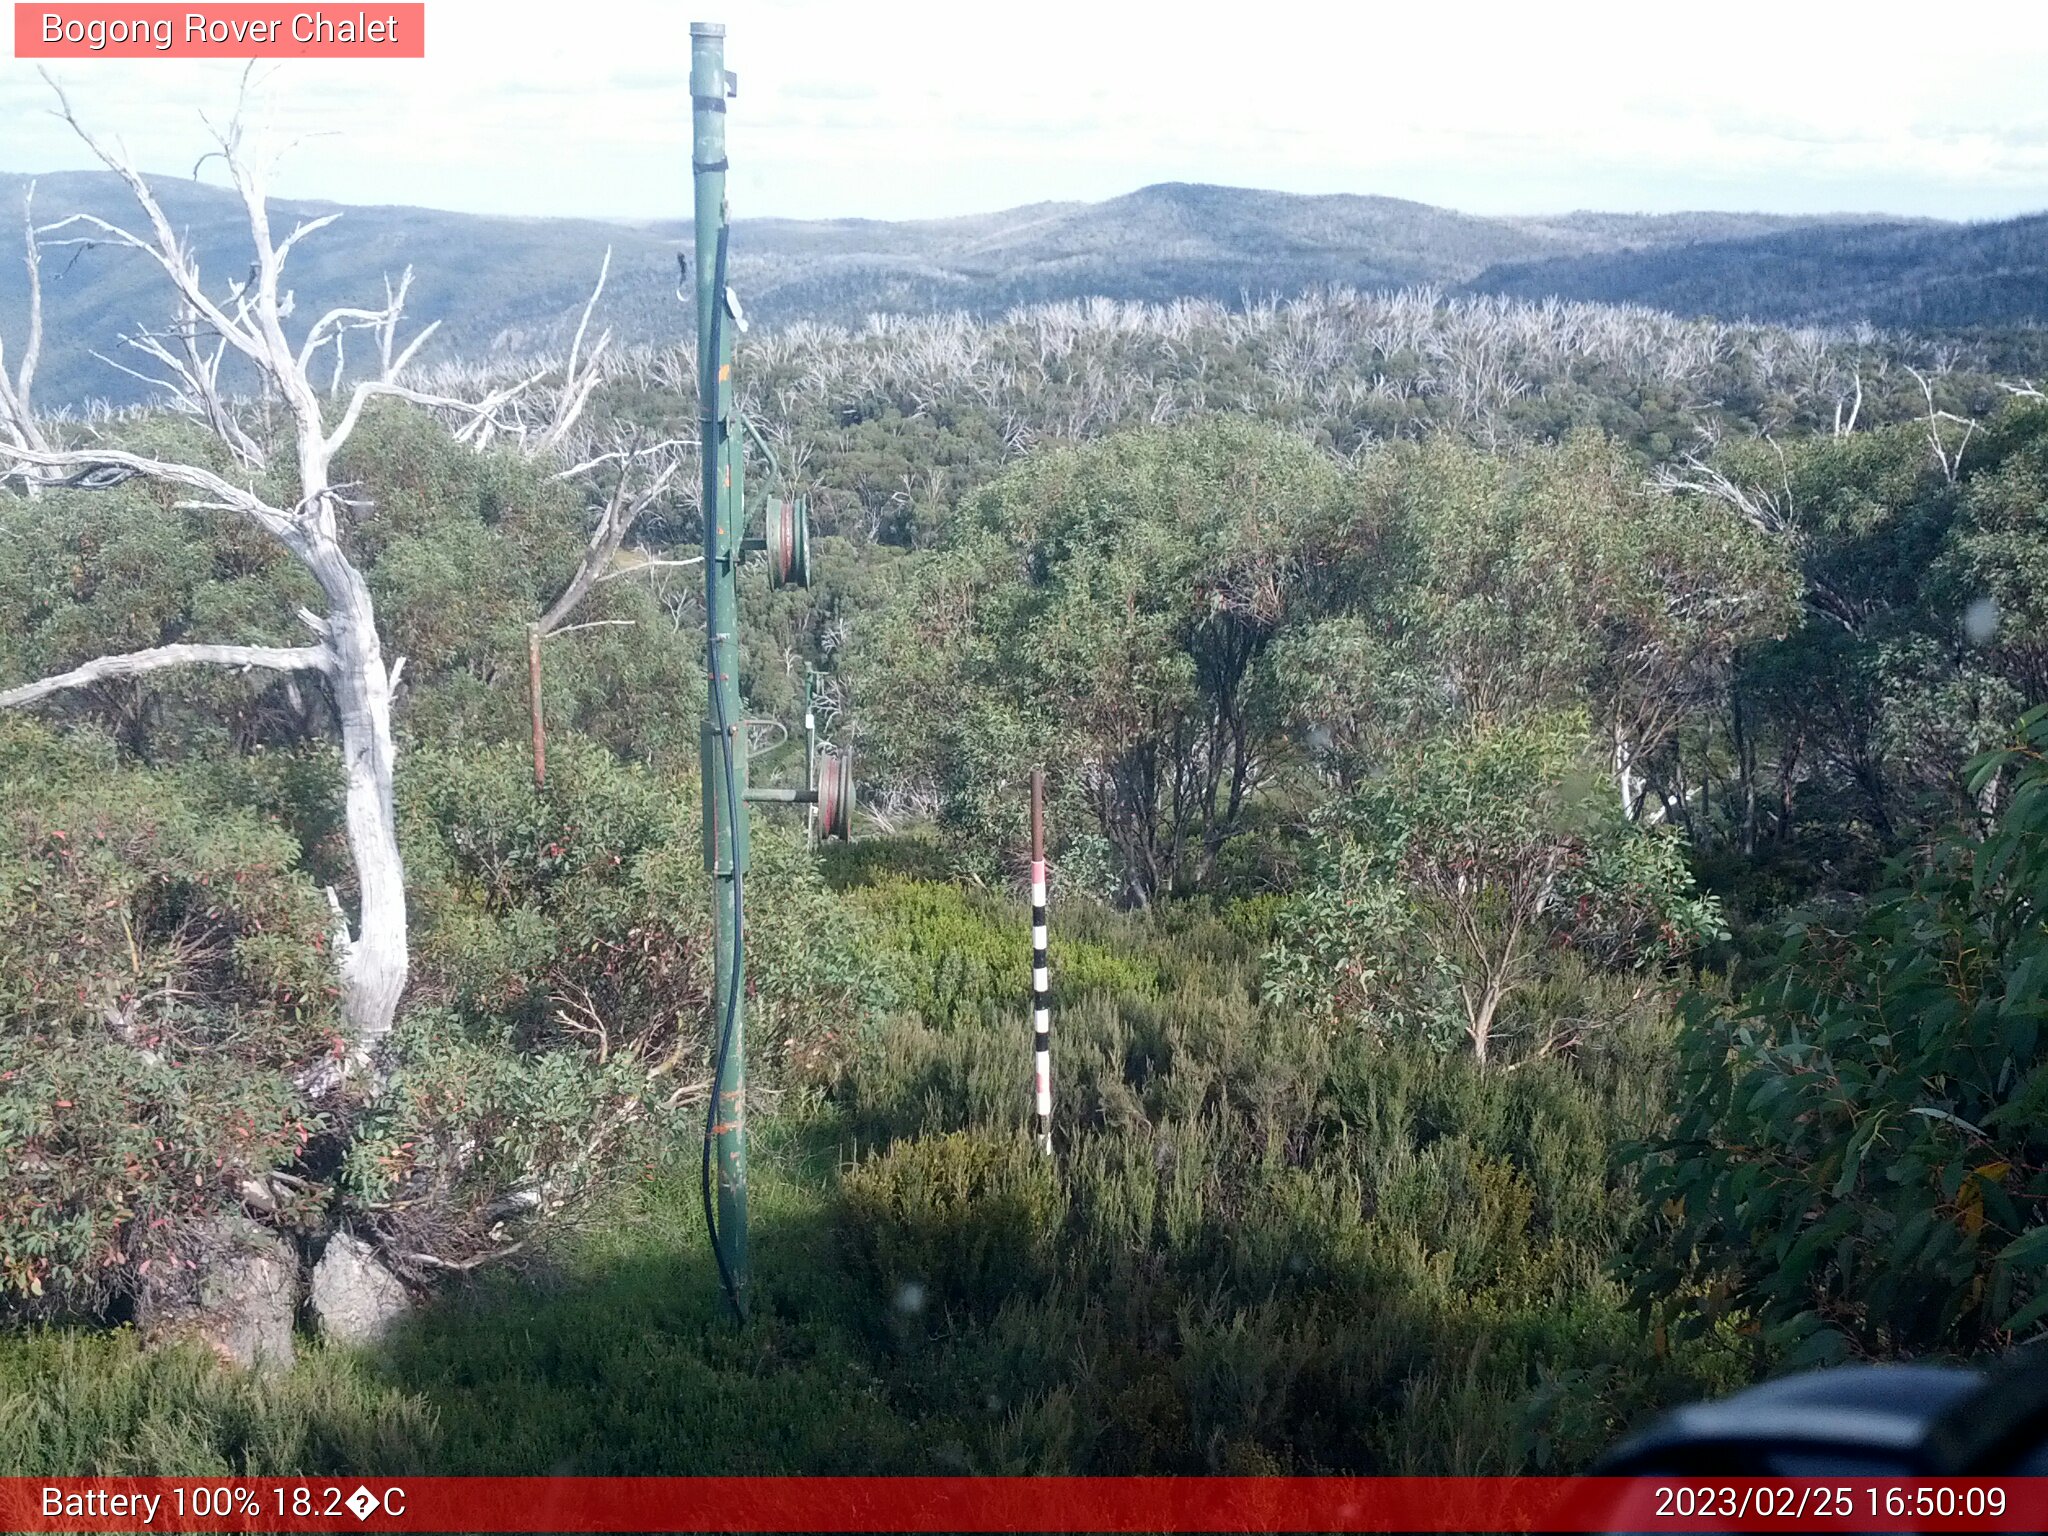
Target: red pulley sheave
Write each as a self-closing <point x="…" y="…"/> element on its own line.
<point x="788" y="538"/>
<point x="835" y="795"/>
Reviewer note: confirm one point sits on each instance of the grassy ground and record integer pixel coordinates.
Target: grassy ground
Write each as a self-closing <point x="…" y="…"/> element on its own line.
<point x="1260" y="1249"/>
<point x="611" y="1354"/>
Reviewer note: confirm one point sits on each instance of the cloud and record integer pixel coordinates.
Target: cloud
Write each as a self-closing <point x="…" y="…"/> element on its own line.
<point x="665" y="80"/>
<point x="831" y="90"/>
<point x="908" y="108"/>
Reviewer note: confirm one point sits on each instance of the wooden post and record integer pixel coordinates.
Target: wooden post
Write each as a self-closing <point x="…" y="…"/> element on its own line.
<point x="540" y="735"/>
<point x="1041" y="979"/>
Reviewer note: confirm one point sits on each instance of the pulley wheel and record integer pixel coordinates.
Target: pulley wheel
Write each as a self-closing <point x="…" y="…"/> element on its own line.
<point x="835" y="795"/>
<point x="789" y="543"/>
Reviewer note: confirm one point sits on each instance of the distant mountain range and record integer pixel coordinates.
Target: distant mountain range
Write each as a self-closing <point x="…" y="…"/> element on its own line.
<point x="506" y="285"/>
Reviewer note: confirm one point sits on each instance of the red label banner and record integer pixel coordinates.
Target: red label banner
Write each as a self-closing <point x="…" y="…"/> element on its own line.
<point x="1049" y="1504"/>
<point x="225" y="31"/>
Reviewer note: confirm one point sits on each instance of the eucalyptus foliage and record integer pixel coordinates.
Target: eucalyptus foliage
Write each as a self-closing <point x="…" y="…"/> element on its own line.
<point x="1444" y="887"/>
<point x="1107" y="609"/>
<point x="162" y="976"/>
<point x="1860" y="1158"/>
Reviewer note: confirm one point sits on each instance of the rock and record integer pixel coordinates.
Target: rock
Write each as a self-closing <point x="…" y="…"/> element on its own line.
<point x="247" y="1298"/>
<point x="355" y="1299"/>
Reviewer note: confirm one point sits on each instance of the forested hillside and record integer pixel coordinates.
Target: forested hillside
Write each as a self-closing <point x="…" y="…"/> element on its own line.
<point x="1908" y="275"/>
<point x="512" y="287"/>
<point x="1548" y="811"/>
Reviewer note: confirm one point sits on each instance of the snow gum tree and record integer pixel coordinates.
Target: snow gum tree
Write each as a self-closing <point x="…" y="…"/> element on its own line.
<point x="244" y="323"/>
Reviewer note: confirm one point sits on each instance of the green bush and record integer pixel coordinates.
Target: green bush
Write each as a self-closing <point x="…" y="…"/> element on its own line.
<point x="953" y="1224"/>
<point x="1109" y="603"/>
<point x="562" y="976"/>
<point x="1860" y="1160"/>
<point x="873" y="860"/>
<point x="472" y="1139"/>
<point x="1445" y="889"/>
<point x="961" y="957"/>
<point x="531" y="900"/>
<point x="1279" y="1248"/>
<point x="163" y="972"/>
<point x="90" y="573"/>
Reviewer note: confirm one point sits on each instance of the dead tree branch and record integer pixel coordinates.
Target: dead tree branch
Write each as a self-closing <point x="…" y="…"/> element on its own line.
<point x="17" y="402"/>
<point x="1950" y="460"/>
<point x="644" y="474"/>
<point x="276" y="658"/>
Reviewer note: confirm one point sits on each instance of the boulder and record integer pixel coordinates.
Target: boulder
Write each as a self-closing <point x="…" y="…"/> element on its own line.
<point x="245" y="1301"/>
<point x="355" y="1298"/>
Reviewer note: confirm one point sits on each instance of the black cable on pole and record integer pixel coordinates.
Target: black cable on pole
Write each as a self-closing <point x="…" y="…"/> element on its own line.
<point x="711" y="442"/>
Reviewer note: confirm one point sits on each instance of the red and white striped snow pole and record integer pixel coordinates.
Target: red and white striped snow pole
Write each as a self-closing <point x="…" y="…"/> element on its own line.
<point x="1041" y="977"/>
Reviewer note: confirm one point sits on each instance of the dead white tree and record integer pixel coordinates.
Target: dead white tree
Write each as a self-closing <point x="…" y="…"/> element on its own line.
<point x="1950" y="459"/>
<point x="1846" y="426"/>
<point x="643" y="476"/>
<point x="580" y="374"/>
<point x="248" y="322"/>
<point x="1768" y="511"/>
<point x="1771" y="512"/>
<point x="17" y="404"/>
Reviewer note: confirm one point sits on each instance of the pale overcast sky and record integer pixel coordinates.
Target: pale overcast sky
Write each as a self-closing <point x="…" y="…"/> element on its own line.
<point x="902" y="109"/>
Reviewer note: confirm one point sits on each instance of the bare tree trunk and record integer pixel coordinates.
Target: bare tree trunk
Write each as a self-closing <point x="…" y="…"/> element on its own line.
<point x="1989" y="795"/>
<point x="1679" y="802"/>
<point x="1706" y="816"/>
<point x="1626" y="779"/>
<point x="1745" y="767"/>
<point x="1480" y="1026"/>
<point x="1788" y="784"/>
<point x="17" y="404"/>
<point x="374" y="968"/>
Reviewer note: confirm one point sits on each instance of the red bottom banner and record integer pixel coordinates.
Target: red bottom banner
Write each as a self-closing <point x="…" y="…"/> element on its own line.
<point x="1049" y="1504"/>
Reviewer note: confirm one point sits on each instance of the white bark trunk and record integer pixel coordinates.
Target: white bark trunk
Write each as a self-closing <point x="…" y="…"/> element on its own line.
<point x="378" y="955"/>
<point x="17" y="404"/>
<point x="1625" y="777"/>
<point x="1479" y="1028"/>
<point x="374" y="969"/>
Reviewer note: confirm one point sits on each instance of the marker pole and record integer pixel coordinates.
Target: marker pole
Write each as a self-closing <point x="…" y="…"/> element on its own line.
<point x="1041" y="977"/>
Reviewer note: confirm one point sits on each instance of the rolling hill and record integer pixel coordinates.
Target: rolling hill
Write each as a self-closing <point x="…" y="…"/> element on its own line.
<point x="1908" y="275"/>
<point x="505" y="285"/>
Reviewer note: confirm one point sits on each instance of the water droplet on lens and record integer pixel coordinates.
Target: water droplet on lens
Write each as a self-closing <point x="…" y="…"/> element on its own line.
<point x="1980" y="620"/>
